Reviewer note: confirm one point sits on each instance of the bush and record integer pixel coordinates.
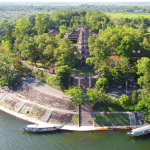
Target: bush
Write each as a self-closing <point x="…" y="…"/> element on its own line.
<point x="124" y="100"/>
<point x="134" y="97"/>
<point x="102" y="82"/>
<point x="40" y="74"/>
<point x="35" y="72"/>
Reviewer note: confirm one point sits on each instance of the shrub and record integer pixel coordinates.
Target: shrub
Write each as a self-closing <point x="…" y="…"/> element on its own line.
<point x="102" y="82"/>
<point x="40" y="74"/>
<point x="35" y="72"/>
<point x="134" y="97"/>
<point x="27" y="112"/>
<point x="124" y="100"/>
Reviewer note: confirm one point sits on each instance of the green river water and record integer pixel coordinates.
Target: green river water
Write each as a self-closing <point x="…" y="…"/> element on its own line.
<point x="14" y="138"/>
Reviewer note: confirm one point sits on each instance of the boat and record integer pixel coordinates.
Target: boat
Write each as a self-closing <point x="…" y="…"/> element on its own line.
<point x="41" y="128"/>
<point x="139" y="131"/>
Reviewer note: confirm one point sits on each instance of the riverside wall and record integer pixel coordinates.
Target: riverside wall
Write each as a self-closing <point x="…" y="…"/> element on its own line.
<point x="66" y="127"/>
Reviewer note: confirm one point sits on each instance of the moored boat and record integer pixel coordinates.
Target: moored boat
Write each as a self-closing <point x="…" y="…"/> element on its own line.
<point x="41" y="128"/>
<point x="139" y="131"/>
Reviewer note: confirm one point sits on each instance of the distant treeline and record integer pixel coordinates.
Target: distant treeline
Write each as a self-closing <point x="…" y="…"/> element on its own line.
<point x="100" y="7"/>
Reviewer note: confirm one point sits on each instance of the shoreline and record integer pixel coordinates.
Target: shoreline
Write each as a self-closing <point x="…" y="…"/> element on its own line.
<point x="67" y="127"/>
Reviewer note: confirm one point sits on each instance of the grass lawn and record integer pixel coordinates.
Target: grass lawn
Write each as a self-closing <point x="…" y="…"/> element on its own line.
<point x="108" y="107"/>
<point x="111" y="119"/>
<point x="125" y="15"/>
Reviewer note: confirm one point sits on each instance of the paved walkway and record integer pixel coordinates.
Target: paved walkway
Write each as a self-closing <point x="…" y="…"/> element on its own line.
<point x="117" y="92"/>
<point x="29" y="82"/>
<point x="85" y="115"/>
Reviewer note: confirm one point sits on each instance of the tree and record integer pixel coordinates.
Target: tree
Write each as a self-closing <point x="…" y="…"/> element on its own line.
<point x="89" y="62"/>
<point x="62" y="29"/>
<point x="143" y="66"/>
<point x="125" y="49"/>
<point x="9" y="76"/>
<point x="121" y="70"/>
<point x="28" y="49"/>
<point x="64" y="54"/>
<point x="22" y="27"/>
<point x="105" y="72"/>
<point x="95" y="95"/>
<point x="31" y="20"/>
<point x="63" y="75"/>
<point x="144" y="106"/>
<point x="42" y="22"/>
<point x="76" y="95"/>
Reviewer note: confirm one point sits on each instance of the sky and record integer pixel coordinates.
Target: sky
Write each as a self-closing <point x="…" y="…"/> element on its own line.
<point x="86" y="1"/>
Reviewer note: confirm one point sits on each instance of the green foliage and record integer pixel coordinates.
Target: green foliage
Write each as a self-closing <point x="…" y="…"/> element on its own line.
<point x="27" y="112"/>
<point x="143" y="66"/>
<point x="102" y="82"/>
<point x="134" y="97"/>
<point x="42" y="22"/>
<point x="76" y="95"/>
<point x="89" y="62"/>
<point x="37" y="113"/>
<point x="63" y="75"/>
<point x="40" y="74"/>
<point x="9" y="76"/>
<point x="125" y="49"/>
<point x="105" y="72"/>
<point x="22" y="27"/>
<point x="64" y="54"/>
<point x="75" y="119"/>
<point x="124" y="100"/>
<point x="120" y="71"/>
<point x="144" y="104"/>
<point x="95" y="95"/>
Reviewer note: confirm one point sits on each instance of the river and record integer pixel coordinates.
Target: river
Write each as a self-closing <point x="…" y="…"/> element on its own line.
<point x="12" y="137"/>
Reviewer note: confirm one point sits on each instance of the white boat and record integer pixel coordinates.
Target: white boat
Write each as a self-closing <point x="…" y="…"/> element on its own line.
<point x="139" y="131"/>
<point x="41" y="128"/>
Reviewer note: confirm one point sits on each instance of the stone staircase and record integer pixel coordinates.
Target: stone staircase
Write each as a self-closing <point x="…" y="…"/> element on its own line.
<point x="21" y="105"/>
<point x="86" y="116"/>
<point x="48" y="115"/>
<point x="132" y="119"/>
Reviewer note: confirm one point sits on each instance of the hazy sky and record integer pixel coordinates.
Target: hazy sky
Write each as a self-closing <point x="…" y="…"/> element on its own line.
<point x="75" y="0"/>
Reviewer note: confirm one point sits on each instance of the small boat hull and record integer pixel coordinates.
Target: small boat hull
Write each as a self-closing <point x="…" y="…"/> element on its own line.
<point x="130" y="134"/>
<point x="41" y="129"/>
<point x="139" y="131"/>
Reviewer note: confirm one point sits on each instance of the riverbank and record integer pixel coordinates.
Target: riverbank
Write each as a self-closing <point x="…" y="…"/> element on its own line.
<point x="66" y="127"/>
<point x="32" y="101"/>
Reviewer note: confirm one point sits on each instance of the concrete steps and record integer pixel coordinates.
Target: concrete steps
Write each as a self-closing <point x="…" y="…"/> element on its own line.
<point x="85" y="117"/>
<point x="132" y="119"/>
<point x="21" y="105"/>
<point x="2" y="96"/>
<point x="48" y="114"/>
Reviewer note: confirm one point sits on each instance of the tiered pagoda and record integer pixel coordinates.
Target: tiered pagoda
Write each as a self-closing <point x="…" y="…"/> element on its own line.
<point x="82" y="47"/>
<point x="81" y="35"/>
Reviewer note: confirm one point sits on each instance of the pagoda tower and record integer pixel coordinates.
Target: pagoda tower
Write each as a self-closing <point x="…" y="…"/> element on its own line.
<point x="82" y="47"/>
